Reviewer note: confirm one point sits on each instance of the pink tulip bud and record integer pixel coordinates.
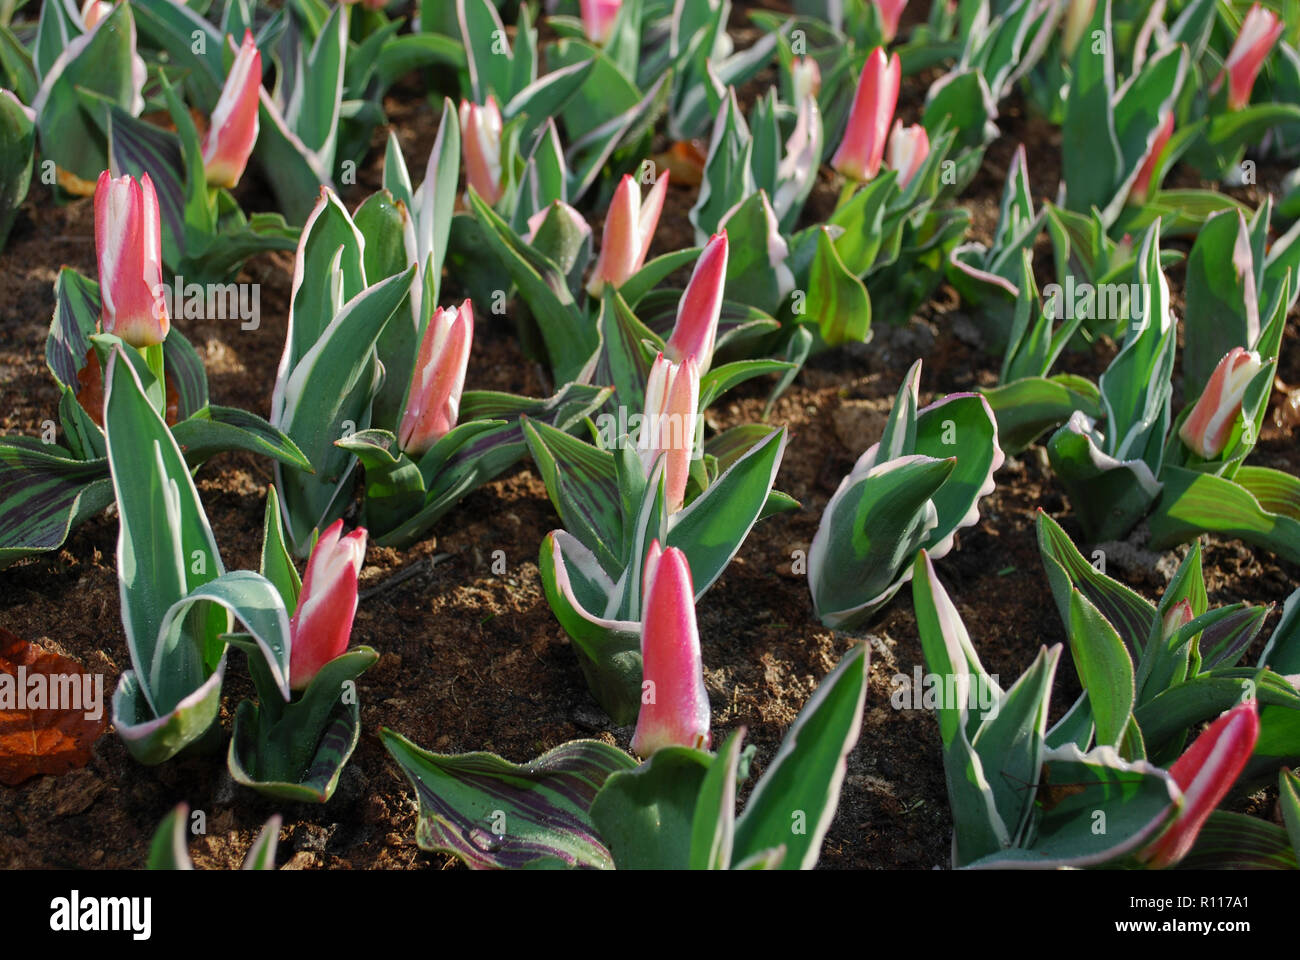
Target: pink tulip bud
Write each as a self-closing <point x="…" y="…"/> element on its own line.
<point x="1078" y="14"/>
<point x="696" y="328"/>
<point x="1205" y="774"/>
<point x="598" y="18"/>
<point x="537" y="219"/>
<point x="863" y="146"/>
<point x="672" y="397"/>
<point x="232" y="130"/>
<point x="806" y="78"/>
<point x="891" y="11"/>
<point x="480" y="137"/>
<point x="94" y="11"/>
<point x="908" y="148"/>
<point x="1177" y="617"/>
<point x="674" y="701"/>
<point x="629" y="228"/>
<point x="321" y="626"/>
<point x="1142" y="185"/>
<point x="128" y="241"/>
<point x="1207" y="427"/>
<point x="433" y="402"/>
<point x="1259" y="31"/>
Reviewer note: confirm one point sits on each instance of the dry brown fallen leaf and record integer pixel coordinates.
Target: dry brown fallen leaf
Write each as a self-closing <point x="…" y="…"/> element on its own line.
<point x="44" y="741"/>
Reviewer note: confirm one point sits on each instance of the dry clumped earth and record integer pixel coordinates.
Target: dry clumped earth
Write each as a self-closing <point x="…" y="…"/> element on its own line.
<point x="472" y="660"/>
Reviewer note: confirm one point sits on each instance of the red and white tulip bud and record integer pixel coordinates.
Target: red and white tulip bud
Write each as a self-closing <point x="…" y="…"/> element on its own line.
<point x="1205" y="774"/>
<point x="322" y="625"/>
<point x="1142" y="185"/>
<point x="480" y="138"/>
<point x="674" y="701"/>
<point x="1208" y="426"/>
<point x="433" y="402"/>
<point x="598" y="18"/>
<point x="891" y="11"/>
<point x="1078" y="14"/>
<point x="806" y="78"/>
<point x="863" y="146"/>
<point x="629" y="228"/>
<point x="1259" y="31"/>
<point x="232" y="129"/>
<point x="908" y="148"/>
<point x="128" y="242"/>
<point x="696" y="328"/>
<point x="672" y="397"/>
<point x="94" y="11"/>
<point x="1177" y="617"/>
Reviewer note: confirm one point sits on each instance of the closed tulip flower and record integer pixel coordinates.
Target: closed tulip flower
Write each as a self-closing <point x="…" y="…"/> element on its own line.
<point x="433" y="402"/>
<point x="322" y="625"/>
<point x="696" y="328"/>
<point x="598" y="18"/>
<point x="908" y="148"/>
<point x="128" y="243"/>
<point x="672" y="395"/>
<point x="1142" y="185"/>
<point x="232" y="129"/>
<point x="1205" y="774"/>
<point x="674" y="701"/>
<point x="1259" y="31"/>
<point x="629" y="228"/>
<point x="891" y="11"/>
<point x="480" y="138"/>
<point x="863" y="147"/>
<point x="1208" y="426"/>
<point x="94" y="11"/>
<point x="806" y="78"/>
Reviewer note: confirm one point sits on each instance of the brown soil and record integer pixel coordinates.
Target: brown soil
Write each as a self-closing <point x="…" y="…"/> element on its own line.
<point x="471" y="660"/>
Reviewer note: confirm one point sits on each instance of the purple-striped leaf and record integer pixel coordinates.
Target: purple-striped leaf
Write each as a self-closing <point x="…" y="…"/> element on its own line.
<point x="493" y="814"/>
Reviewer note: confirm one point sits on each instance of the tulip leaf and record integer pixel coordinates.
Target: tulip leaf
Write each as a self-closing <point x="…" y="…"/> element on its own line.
<point x="713" y="826"/>
<point x="1288" y="789"/>
<point x="645" y="815"/>
<point x="1028" y="407"/>
<point x="17" y="146"/>
<point x="493" y="814"/>
<point x="1234" y="841"/>
<point x="1222" y="311"/>
<point x="1194" y="503"/>
<point x="837" y="301"/>
<point x="44" y="493"/>
<point x="795" y="800"/>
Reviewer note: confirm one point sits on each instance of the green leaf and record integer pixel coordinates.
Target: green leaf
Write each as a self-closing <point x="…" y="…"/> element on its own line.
<point x="713" y="827"/>
<point x="1105" y="669"/>
<point x="1234" y="841"/>
<point x="801" y="785"/>
<point x="495" y="814"/>
<point x="169" y="849"/>
<point x="277" y="564"/>
<point x="1028" y="407"/>
<point x="17" y="148"/>
<point x="645" y="815"/>
<point x="837" y="301"/>
<point x="1288" y="799"/>
<point x="1221" y="311"/>
<point x="43" y="495"/>
<point x="1194" y="503"/>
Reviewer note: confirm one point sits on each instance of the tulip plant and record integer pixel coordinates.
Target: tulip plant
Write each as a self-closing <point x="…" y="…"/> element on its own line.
<point x="914" y="489"/>
<point x="18" y="139"/>
<point x="1092" y="789"/>
<point x="588" y="804"/>
<point x="48" y="488"/>
<point x="295" y="749"/>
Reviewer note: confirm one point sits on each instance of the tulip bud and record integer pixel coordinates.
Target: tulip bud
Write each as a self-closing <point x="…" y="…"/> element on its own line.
<point x="1259" y="31"/>
<point x="1078" y="14"/>
<point x="674" y="701"/>
<point x="696" y="328"/>
<point x="128" y="241"/>
<point x="232" y="129"/>
<point x="1205" y="774"/>
<point x="863" y="146"/>
<point x="806" y="78"/>
<point x="1177" y="617"/>
<point x="598" y="18"/>
<point x="321" y="626"/>
<point x="433" y="401"/>
<point x="672" y="396"/>
<point x="908" y="148"/>
<point x="93" y="11"/>
<point x="480" y="137"/>
<point x="1142" y="185"/>
<point x="891" y="11"/>
<point x="1207" y="427"/>
<point x="629" y="228"/>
